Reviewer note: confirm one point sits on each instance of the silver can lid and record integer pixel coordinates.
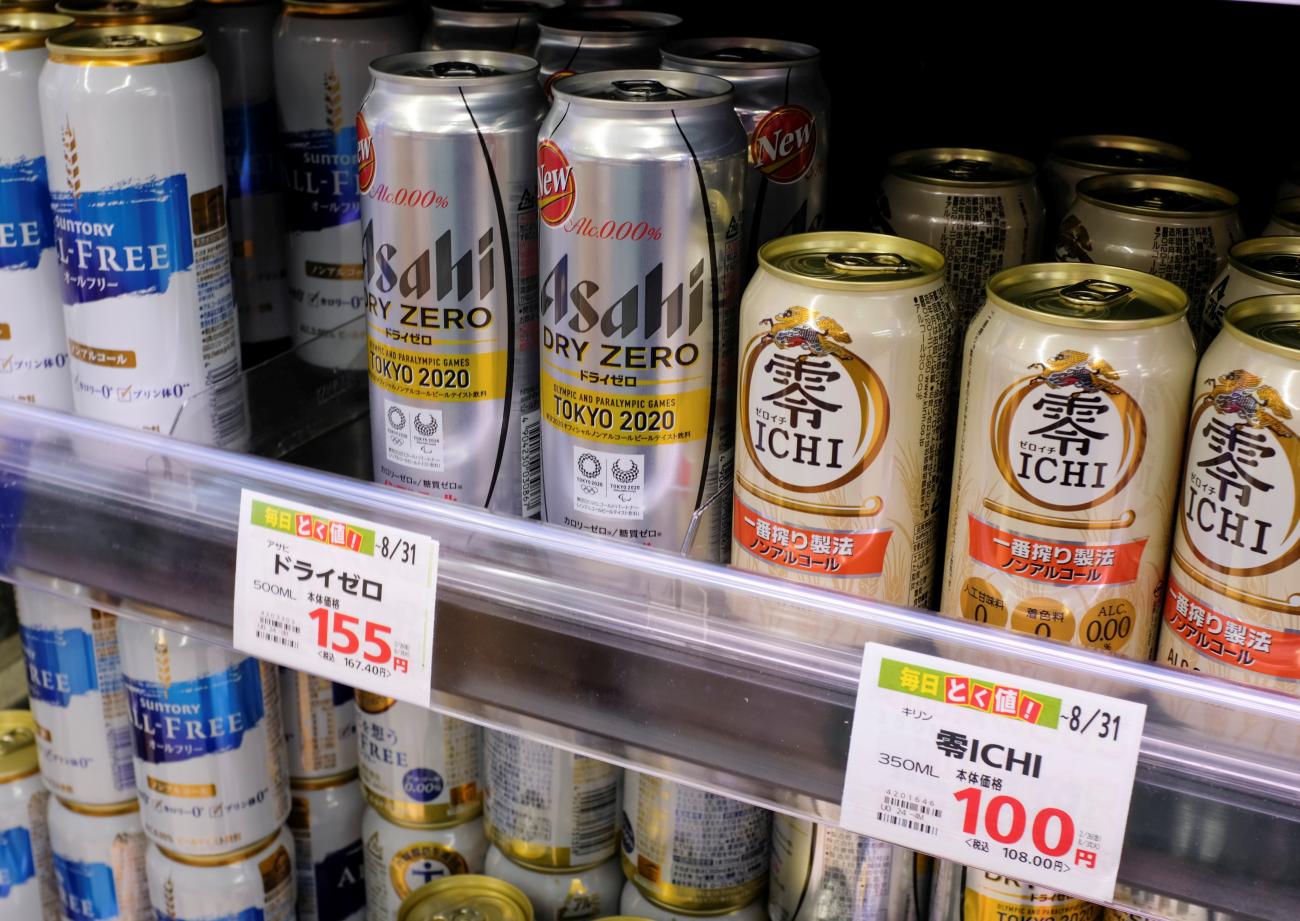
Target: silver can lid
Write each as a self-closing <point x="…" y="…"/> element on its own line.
<point x="663" y="88"/>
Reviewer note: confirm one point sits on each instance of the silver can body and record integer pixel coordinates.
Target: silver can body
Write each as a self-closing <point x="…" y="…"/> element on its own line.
<point x="486" y="25"/>
<point x="255" y="883"/>
<point x="76" y="694"/>
<point x="967" y="894"/>
<point x="402" y="858"/>
<point x="641" y="209"/>
<point x="320" y="725"/>
<point x="321" y="76"/>
<point x="784" y="106"/>
<point x="239" y="40"/>
<point x="326" y="825"/>
<point x="583" y="41"/>
<point x="33" y="347"/>
<point x="449" y="217"/>
<point x="27" y="888"/>
<point x="1264" y="265"/>
<point x="1074" y="159"/>
<point x="210" y="765"/>
<point x="99" y="862"/>
<point x="636" y="904"/>
<point x="562" y="895"/>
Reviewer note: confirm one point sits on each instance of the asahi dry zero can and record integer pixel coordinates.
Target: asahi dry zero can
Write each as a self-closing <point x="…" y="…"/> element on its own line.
<point x="486" y="25"/>
<point x="1264" y="265"/>
<point x="1074" y="159"/>
<point x="967" y="894"/>
<point x="581" y="41"/>
<point x="326" y="823"/>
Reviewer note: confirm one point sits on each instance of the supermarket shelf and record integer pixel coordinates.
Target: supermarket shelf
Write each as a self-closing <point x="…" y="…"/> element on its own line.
<point x="729" y="681"/>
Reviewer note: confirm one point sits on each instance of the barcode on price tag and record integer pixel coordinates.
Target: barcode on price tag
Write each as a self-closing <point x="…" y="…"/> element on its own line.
<point x="336" y="596"/>
<point x="1022" y="778"/>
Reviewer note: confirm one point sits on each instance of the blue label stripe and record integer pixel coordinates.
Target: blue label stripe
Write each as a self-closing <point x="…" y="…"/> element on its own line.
<point x="190" y="719"/>
<point x="342" y="694"/>
<point x="86" y="890"/>
<point x="248" y="914"/>
<point x="60" y="664"/>
<point x="26" y="227"/>
<point x="340" y="883"/>
<point x="250" y="148"/>
<point x="17" y="863"/>
<point x="319" y="170"/>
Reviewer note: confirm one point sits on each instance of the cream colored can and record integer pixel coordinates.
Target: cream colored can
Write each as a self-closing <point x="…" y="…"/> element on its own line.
<point x="1074" y="395"/>
<point x="1285" y="219"/>
<point x="967" y="894"/>
<point x="562" y="895"/>
<point x="1264" y="265"/>
<point x="254" y="883"/>
<point x="401" y="858"/>
<point x="1074" y="159"/>
<point x="846" y="341"/>
<point x="1234" y="582"/>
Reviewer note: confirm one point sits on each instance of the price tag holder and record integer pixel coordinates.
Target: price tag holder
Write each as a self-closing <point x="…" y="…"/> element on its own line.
<point x="336" y="596"/>
<point x="1023" y="778"/>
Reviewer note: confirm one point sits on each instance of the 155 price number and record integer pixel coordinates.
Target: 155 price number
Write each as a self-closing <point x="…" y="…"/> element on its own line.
<point x="348" y="636"/>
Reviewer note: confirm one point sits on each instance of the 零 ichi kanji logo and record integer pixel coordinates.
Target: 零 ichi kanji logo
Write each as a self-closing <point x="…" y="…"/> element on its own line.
<point x="365" y="155"/>
<point x="783" y="144"/>
<point x="556" y="189"/>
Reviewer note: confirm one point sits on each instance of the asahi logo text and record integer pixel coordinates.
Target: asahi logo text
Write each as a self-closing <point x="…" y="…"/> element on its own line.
<point x="431" y="274"/>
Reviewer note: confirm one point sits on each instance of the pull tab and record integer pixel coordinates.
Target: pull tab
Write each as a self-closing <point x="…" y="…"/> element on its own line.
<point x="127" y="41"/>
<point x="122" y="6"/>
<point x="15" y="739"/>
<point x="457" y="69"/>
<point x="640" y="89"/>
<point x="965" y="169"/>
<point x="1283" y="265"/>
<point x="1093" y="292"/>
<point x="5" y="28"/>
<point x="742" y="54"/>
<point x="869" y="263"/>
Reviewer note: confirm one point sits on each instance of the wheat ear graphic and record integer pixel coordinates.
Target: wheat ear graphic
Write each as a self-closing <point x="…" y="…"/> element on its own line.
<point x="169" y="897"/>
<point x="333" y="102"/>
<point x="163" y="660"/>
<point x="70" y="165"/>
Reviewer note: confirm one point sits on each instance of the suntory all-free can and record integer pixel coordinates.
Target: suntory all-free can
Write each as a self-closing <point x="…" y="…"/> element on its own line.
<point x="824" y="873"/>
<point x="99" y="13"/>
<point x="210" y="764"/>
<point x="1234" y="580"/>
<point x="76" y="693"/>
<point x="33" y="347"/>
<point x="238" y="35"/>
<point x="636" y="904"/>
<point x="27" y="887"/>
<point x="563" y="894"/>
<point x="418" y="766"/>
<point x="329" y="857"/>
<point x="688" y="849"/>
<point x="845" y="345"/>
<point x="640" y="186"/>
<point x="140" y="227"/>
<point x="486" y="25"/>
<point x="967" y="894"/>
<point x="99" y="861"/>
<point x="1264" y="265"/>
<point x="254" y="883"/>
<point x="1174" y="228"/>
<point x="479" y="897"/>
<point x="1074" y="159"/>
<point x="401" y="858"/>
<point x="581" y="41"/>
<point x="322" y="52"/>
<point x="1074" y="392"/>
<point x="981" y="209"/>
<point x="449" y="216"/>
<point x="320" y="725"/>
<point x="784" y="107"/>
<point x="1285" y="219"/>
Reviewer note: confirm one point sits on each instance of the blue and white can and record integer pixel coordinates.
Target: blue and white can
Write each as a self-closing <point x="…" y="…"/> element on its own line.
<point x="253" y="884"/>
<point x="320" y="725"/>
<point x="27" y="888"/>
<point x="98" y="856"/>
<point x="210" y="764"/>
<point x="326" y="825"/>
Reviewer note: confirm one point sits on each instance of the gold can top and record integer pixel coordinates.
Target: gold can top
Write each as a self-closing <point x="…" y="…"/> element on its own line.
<point x="1270" y="323"/>
<point x="126" y="45"/>
<point x="851" y="261"/>
<point x="126" y="12"/>
<point x="27" y="6"/>
<point x="131" y="805"/>
<point x="1120" y="153"/>
<point x="1087" y="296"/>
<point x="357" y="9"/>
<point x="1287" y="213"/>
<point x="1151" y="195"/>
<point x="323" y="783"/>
<point x="466" y="898"/>
<point x="222" y="860"/>
<point x="17" y="745"/>
<point x="962" y="166"/>
<point x="606" y="22"/>
<point x="1271" y="259"/>
<point x="19" y="31"/>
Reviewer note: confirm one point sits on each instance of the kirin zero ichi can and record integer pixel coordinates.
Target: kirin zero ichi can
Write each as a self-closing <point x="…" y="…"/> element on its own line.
<point x="1264" y="265"/>
<point x="846" y="341"/>
<point x="322" y="52"/>
<point x="255" y="883"/>
<point x="401" y="857"/>
<point x="474" y="898"/>
<point x="326" y="825"/>
<point x="74" y="682"/>
<point x="967" y="894"/>
<point x="320" y="725"/>
<point x="1074" y="159"/>
<point x="1284" y="220"/>
<point x="581" y="41"/>
<point x="210" y="765"/>
<point x="33" y="347"/>
<point x="1234" y="581"/>
<point x="784" y="107"/>
<point x="140" y="225"/>
<point x="981" y="209"/>
<point x="563" y="894"/>
<point x="486" y="25"/>
<point x="449" y="216"/>
<point x="99" y="861"/>
<point x="640" y="184"/>
<point x="1074" y="390"/>
<point x="27" y="887"/>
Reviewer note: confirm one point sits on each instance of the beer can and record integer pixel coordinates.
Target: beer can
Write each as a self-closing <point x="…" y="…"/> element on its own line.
<point x="478" y="897"/>
<point x="687" y="849"/>
<point x="979" y="208"/>
<point x="401" y="858"/>
<point x="824" y="873"/>
<point x="33" y="347"/>
<point x="1234" y="592"/>
<point x="561" y="894"/>
<point x="846" y="342"/>
<point x="1290" y="184"/>
<point x="1077" y="158"/>
<point x="449" y="216"/>
<point x="320" y="725"/>
<point x="1174" y="228"/>
<point x="74" y="681"/>
<point x="256" y="882"/>
<point x="486" y="25"/>
<point x="418" y="766"/>
<point x="636" y="904"/>
<point x="322" y="51"/>
<point x="140" y="226"/>
<point x="27" y="888"/>
<point x="581" y="41"/>
<point x="967" y="894"/>
<point x="1285" y="219"/>
<point x="326" y="824"/>
<point x="238" y="36"/>
<point x="1264" y="265"/>
<point x="99" y="857"/>
<point x="1065" y="476"/>
<point x="549" y="809"/>
<point x="27" y="6"/>
<point x="640" y="179"/>
<point x="784" y="107"/>
<point x="210" y="766"/>
<point x="100" y="13"/>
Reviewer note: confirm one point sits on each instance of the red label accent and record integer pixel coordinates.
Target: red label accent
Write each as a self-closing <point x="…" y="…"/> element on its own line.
<point x="556" y="187"/>
<point x="825" y="553"/>
<point x="783" y="144"/>
<point x="1052" y="562"/>
<point x="365" y="155"/>
<point x="1266" y="650"/>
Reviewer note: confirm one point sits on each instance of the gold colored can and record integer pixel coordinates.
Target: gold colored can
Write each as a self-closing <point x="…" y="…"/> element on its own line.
<point x="1233" y="598"/>
<point x="126" y="12"/>
<point x="1073" y="396"/>
<point x="846" y="341"/>
<point x="1264" y="265"/>
<point x="18" y="758"/>
<point x="466" y="898"/>
<point x="1074" y="159"/>
<point x="26" y="6"/>
<point x="1285" y="219"/>
<point x="967" y="894"/>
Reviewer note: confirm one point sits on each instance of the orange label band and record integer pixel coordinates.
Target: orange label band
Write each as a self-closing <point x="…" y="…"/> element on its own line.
<point x="826" y="553"/>
<point x="1053" y="562"/>
<point x="1231" y="641"/>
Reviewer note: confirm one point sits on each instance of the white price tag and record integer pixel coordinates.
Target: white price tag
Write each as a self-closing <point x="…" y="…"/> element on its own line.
<point x="339" y="597"/>
<point x="1019" y="777"/>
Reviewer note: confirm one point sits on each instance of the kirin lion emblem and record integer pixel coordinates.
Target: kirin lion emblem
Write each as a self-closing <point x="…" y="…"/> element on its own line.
<point x="1077" y="369"/>
<point x="1245" y="395"/>
<point x="795" y="327"/>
